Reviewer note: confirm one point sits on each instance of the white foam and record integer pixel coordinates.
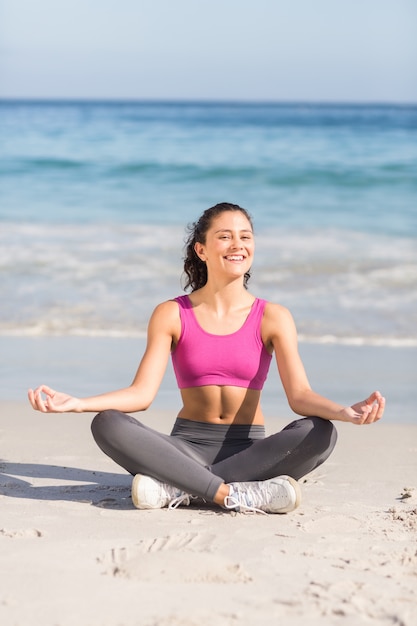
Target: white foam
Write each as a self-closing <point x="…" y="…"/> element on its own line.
<point x="105" y="279"/>
<point x="48" y="330"/>
<point x="389" y="342"/>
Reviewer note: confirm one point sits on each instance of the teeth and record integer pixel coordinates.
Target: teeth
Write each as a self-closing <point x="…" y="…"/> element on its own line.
<point x="234" y="258"/>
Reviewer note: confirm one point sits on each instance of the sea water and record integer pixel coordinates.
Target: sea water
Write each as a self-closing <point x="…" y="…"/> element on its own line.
<point x="95" y="197"/>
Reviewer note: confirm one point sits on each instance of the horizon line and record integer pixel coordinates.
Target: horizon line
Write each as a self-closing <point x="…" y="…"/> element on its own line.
<point x="202" y="101"/>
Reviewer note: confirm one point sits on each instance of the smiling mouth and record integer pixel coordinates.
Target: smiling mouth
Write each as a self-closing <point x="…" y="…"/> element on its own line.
<point x="235" y="257"/>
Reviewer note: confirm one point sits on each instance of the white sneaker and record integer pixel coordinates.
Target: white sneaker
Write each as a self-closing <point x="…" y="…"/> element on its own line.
<point x="149" y="493"/>
<point x="276" y="495"/>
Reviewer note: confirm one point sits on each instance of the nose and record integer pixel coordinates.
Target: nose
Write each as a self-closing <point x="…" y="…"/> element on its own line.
<point x="237" y="243"/>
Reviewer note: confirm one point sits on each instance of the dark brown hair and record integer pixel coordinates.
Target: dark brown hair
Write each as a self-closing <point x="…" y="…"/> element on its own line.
<point x="195" y="269"/>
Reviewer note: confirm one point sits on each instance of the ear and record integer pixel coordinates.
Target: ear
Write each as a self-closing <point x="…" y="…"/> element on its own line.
<point x="199" y="250"/>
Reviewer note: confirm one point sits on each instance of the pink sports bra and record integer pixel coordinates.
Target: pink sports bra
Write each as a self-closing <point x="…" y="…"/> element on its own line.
<point x="239" y="359"/>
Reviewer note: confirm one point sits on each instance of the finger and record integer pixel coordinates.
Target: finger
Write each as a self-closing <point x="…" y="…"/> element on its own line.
<point x="31" y="397"/>
<point x="50" y="406"/>
<point x="46" y="390"/>
<point x="377" y="410"/>
<point x="369" y="402"/>
<point x="380" y="408"/>
<point x="363" y="415"/>
<point x="39" y="401"/>
<point x="376" y="396"/>
<point x="34" y="399"/>
<point x="41" y="404"/>
<point x="369" y="419"/>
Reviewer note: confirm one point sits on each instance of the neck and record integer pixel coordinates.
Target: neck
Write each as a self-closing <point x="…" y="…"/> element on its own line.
<point x="226" y="296"/>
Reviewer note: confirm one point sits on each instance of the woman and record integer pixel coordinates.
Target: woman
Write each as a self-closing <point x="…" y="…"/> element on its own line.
<point x="221" y="339"/>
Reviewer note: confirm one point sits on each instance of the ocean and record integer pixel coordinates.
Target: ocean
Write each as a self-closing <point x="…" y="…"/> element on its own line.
<point x="95" y="198"/>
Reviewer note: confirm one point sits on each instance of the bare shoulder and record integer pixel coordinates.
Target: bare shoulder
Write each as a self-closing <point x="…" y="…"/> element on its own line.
<point x="277" y="313"/>
<point x="165" y="318"/>
<point x="278" y="322"/>
<point x="167" y="309"/>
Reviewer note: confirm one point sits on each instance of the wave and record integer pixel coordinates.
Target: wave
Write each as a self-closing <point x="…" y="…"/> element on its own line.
<point x="43" y="330"/>
<point x="277" y="175"/>
<point x="38" y="165"/>
<point x="387" y="342"/>
<point x="105" y="280"/>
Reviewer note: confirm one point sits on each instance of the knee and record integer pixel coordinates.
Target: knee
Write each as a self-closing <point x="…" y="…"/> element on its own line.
<point x="319" y="432"/>
<point x="101" y="423"/>
<point x="325" y="434"/>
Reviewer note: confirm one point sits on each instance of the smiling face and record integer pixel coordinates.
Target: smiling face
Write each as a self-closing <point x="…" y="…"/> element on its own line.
<point x="229" y="245"/>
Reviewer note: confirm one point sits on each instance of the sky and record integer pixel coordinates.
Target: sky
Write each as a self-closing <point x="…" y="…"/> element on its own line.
<point x="247" y="50"/>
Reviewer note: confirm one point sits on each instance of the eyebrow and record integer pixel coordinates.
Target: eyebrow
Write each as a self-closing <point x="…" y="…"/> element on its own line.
<point x="229" y="230"/>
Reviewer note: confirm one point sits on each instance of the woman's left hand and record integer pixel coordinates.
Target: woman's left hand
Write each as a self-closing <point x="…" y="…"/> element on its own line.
<point x="365" y="412"/>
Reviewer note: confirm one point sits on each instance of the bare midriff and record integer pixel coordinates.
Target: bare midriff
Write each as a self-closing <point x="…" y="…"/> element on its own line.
<point x="216" y="404"/>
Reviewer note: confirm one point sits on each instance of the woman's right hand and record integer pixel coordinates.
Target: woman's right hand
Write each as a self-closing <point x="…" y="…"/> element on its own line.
<point x="48" y="400"/>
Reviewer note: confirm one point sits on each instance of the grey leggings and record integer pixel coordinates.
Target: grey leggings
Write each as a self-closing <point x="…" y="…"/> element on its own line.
<point x="198" y="457"/>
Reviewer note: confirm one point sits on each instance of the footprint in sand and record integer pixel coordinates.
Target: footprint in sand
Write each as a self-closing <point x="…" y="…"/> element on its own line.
<point x="185" y="558"/>
<point x="22" y="533"/>
<point x="406" y="517"/>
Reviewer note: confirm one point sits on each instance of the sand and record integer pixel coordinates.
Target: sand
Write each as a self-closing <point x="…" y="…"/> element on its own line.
<point x="74" y="551"/>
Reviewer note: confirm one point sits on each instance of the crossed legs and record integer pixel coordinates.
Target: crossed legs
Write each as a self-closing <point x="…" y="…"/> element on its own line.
<point x="295" y="451"/>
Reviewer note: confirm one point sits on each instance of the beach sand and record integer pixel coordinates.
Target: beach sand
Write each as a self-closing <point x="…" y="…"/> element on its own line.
<point x="74" y="551"/>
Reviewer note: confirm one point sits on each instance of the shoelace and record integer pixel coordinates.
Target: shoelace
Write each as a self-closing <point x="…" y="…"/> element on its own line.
<point x="231" y="502"/>
<point x="184" y="498"/>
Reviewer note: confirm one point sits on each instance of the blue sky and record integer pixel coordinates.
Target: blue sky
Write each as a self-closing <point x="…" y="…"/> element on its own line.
<point x="308" y="50"/>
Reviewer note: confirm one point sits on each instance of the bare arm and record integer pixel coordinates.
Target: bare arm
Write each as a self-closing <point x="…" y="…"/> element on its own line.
<point x="162" y="329"/>
<point x="280" y="331"/>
